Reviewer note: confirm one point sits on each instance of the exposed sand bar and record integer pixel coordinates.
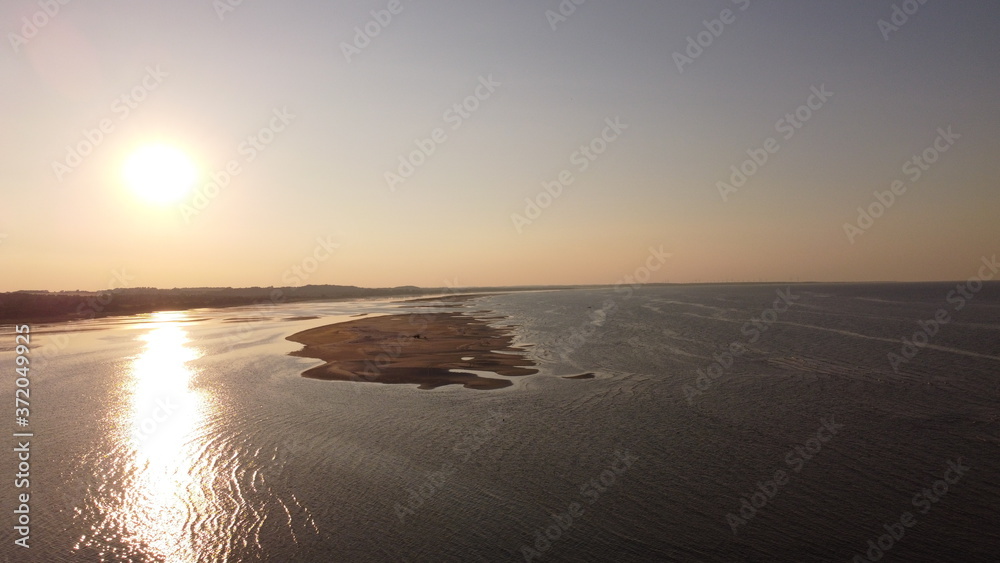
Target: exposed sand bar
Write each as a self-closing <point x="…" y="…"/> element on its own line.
<point x="415" y="349"/>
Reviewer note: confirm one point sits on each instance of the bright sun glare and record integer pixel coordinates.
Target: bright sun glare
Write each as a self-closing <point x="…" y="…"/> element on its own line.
<point x="160" y="174"/>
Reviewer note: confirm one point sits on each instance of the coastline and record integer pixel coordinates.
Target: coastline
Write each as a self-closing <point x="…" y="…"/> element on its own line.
<point x="53" y="307"/>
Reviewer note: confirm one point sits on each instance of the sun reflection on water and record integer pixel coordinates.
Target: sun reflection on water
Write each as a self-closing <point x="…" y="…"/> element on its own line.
<point x="176" y="480"/>
<point x="166" y="490"/>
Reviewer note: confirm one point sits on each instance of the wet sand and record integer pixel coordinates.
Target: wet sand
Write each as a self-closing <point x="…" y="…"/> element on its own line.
<point x="417" y="349"/>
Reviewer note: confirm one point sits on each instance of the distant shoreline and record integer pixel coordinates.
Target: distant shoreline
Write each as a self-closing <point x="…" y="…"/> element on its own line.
<point x="61" y="306"/>
<point x="52" y="307"/>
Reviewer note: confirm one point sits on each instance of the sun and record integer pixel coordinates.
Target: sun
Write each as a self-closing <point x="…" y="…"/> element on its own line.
<point x="159" y="174"/>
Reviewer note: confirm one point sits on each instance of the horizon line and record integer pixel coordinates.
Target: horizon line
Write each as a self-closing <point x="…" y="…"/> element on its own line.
<point x="487" y="287"/>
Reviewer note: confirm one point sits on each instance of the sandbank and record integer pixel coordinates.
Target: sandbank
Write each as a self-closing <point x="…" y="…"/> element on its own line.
<point x="418" y="348"/>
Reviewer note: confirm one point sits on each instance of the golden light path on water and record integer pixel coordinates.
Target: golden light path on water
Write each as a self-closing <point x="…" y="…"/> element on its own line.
<point x="166" y="488"/>
<point x="174" y="482"/>
<point x="165" y="411"/>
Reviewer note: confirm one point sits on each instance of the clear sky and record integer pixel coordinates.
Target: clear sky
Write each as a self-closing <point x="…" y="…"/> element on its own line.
<point x="503" y="95"/>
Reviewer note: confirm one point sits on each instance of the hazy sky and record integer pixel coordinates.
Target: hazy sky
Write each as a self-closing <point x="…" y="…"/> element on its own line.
<point x="342" y="98"/>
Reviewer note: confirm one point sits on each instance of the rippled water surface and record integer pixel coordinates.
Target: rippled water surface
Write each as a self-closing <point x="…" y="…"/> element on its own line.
<point x="191" y="436"/>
